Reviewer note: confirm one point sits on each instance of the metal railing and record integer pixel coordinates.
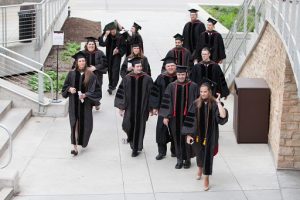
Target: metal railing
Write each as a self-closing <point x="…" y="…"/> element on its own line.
<point x="10" y="152"/>
<point x="25" y="73"/>
<point x="283" y="15"/>
<point x="35" y="21"/>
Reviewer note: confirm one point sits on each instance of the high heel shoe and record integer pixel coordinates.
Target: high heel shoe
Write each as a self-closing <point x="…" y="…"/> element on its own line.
<point x="74" y="152"/>
<point x="198" y="177"/>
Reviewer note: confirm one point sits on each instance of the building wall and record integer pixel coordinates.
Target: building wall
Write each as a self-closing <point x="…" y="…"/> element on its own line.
<point x="270" y="61"/>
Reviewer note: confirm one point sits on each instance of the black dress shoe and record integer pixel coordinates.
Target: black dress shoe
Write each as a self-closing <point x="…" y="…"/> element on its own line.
<point x="109" y="91"/>
<point x="179" y="165"/>
<point x="74" y="152"/>
<point x="134" y="153"/>
<point x="160" y="156"/>
<point x="187" y="164"/>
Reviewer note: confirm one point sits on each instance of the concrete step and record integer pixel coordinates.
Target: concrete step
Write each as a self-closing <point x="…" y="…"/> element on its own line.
<point x="14" y="120"/>
<point x="9" y="179"/>
<point x="5" y="106"/>
<point x="6" y="193"/>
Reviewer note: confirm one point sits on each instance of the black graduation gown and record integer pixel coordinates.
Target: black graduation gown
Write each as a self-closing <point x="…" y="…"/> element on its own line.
<point x="114" y="61"/>
<point x="214" y="41"/>
<point x="145" y="64"/>
<point x="200" y="124"/>
<point x="133" y="97"/>
<point x="134" y="39"/>
<point x="176" y="101"/>
<point x="212" y="71"/>
<point x="191" y="34"/>
<point x="158" y="90"/>
<point x="81" y="112"/>
<point x="182" y="57"/>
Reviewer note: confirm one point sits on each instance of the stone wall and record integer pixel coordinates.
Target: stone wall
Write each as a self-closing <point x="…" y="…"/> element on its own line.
<point x="270" y="61"/>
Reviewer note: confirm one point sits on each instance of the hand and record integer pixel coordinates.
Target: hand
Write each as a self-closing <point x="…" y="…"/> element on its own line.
<point x="130" y="68"/>
<point x="121" y="112"/>
<point x="166" y="121"/>
<point x="82" y="96"/>
<point x="195" y="61"/>
<point x="151" y="113"/>
<point x="116" y="51"/>
<point x="155" y="112"/>
<point x="218" y="98"/>
<point x="107" y="32"/>
<point x="72" y="90"/>
<point x="189" y="139"/>
<point x="92" y="68"/>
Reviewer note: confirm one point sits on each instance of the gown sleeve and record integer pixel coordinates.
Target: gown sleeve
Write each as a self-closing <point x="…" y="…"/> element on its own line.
<point x="166" y="107"/>
<point x="94" y="90"/>
<point x="189" y="125"/>
<point x="124" y="66"/>
<point x="155" y="95"/>
<point x="120" y="98"/>
<point x="67" y="84"/>
<point x="219" y="119"/>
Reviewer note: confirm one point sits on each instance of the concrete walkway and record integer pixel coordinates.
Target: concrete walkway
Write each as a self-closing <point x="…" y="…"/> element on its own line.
<point x="105" y="170"/>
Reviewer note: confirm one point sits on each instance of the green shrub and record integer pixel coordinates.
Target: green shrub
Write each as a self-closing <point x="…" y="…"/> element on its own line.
<point x="33" y="81"/>
<point x="70" y="49"/>
<point x="226" y="15"/>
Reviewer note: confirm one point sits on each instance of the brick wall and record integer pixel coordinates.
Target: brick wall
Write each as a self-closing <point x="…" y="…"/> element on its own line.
<point x="269" y="60"/>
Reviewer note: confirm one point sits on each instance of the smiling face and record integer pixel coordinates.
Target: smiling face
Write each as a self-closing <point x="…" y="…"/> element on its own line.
<point x="137" y="68"/>
<point x="81" y="63"/>
<point x="210" y="26"/>
<point x="170" y="68"/>
<point x="181" y="77"/>
<point x="113" y="32"/>
<point x="204" y="92"/>
<point x="178" y="43"/>
<point x="205" y="55"/>
<point x="193" y="16"/>
<point x="91" y="46"/>
<point x="136" y="50"/>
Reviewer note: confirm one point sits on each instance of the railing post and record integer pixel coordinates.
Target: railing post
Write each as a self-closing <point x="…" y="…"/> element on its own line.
<point x="41" y="87"/>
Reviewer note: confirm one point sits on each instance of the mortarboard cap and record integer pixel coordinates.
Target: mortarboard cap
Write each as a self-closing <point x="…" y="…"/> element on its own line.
<point x="168" y="60"/>
<point x="193" y="10"/>
<point x="137" y="27"/>
<point x="79" y="55"/>
<point x="178" y="37"/>
<point x="110" y="26"/>
<point x="209" y="83"/>
<point x="181" y="69"/>
<point x="135" y="45"/>
<point x="90" y="39"/>
<point x="135" y="61"/>
<point x="211" y="20"/>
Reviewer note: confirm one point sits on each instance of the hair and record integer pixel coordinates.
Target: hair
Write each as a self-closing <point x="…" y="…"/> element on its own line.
<point x="206" y="49"/>
<point x="141" y="54"/>
<point x="87" y="73"/>
<point x="210" y="100"/>
<point x="85" y="46"/>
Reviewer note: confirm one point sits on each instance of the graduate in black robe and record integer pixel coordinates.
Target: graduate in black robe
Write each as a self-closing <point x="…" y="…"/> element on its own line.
<point x="213" y="41"/>
<point x="192" y="31"/>
<point x="158" y="90"/>
<point x="179" y="95"/>
<point x="182" y="55"/>
<point x="96" y="62"/>
<point x="126" y="67"/>
<point x="208" y="69"/>
<point x="201" y="128"/>
<point x="133" y="37"/>
<point x="132" y="98"/>
<point x="83" y="90"/>
<point x="115" y="49"/>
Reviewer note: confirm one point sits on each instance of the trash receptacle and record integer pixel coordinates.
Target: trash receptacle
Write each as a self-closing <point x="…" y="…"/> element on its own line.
<point x="26" y="22"/>
<point x="251" y="110"/>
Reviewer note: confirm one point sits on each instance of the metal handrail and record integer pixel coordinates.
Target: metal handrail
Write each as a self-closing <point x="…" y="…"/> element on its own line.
<point x="9" y="146"/>
<point x="41" y="74"/>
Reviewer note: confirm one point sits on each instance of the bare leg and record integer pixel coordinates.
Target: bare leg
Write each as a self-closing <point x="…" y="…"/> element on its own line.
<point x="199" y="173"/>
<point x="206" y="182"/>
<point x="75" y="151"/>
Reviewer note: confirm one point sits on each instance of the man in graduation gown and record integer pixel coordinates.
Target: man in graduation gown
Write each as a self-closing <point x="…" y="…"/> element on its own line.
<point x="163" y="80"/>
<point x="178" y="96"/>
<point x="208" y="69"/>
<point x="201" y="128"/>
<point x="192" y="31"/>
<point x="115" y="49"/>
<point x="83" y="90"/>
<point x="182" y="55"/>
<point x="132" y="98"/>
<point x="213" y="41"/>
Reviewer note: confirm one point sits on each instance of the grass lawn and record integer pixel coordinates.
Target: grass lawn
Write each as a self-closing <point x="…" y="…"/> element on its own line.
<point x="227" y="14"/>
